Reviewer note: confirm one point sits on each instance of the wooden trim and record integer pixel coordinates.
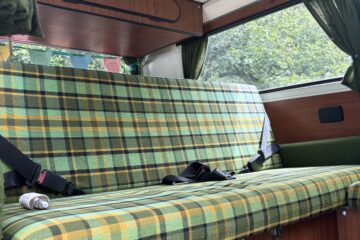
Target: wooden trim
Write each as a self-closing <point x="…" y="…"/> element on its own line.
<point x="81" y="31"/>
<point x="323" y="227"/>
<point x="189" y="22"/>
<point x="246" y="13"/>
<point x="348" y="224"/>
<point x="162" y="10"/>
<point x="302" y="92"/>
<point x="297" y="120"/>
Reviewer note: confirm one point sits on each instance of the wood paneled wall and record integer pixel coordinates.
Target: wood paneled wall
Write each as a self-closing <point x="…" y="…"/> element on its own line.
<point x="69" y="25"/>
<point x="297" y="120"/>
<point x="187" y="14"/>
<point x="348" y="224"/>
<point x="322" y="227"/>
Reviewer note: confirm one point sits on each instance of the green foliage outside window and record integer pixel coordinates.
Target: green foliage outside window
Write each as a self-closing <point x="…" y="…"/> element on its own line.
<point x="280" y="49"/>
<point x="61" y="57"/>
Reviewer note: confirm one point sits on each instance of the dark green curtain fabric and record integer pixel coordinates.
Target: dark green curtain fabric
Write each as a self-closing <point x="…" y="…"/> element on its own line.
<point x="134" y="63"/>
<point x="340" y="19"/>
<point x="193" y="57"/>
<point x="19" y="17"/>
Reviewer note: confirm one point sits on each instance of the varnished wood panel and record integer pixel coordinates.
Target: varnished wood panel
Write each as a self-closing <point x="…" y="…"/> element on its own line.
<point x="348" y="225"/>
<point x="240" y="15"/>
<point x="189" y="12"/>
<point x="297" y="120"/>
<point x="164" y="9"/>
<point x="69" y="29"/>
<point x="322" y="227"/>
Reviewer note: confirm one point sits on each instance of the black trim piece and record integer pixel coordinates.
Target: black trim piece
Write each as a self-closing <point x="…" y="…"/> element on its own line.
<point x="151" y="17"/>
<point x="300" y="85"/>
<point x="254" y="17"/>
<point x="331" y="114"/>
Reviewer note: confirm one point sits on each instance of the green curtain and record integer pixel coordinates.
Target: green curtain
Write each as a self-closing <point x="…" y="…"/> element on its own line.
<point x="134" y="64"/>
<point x="193" y="57"/>
<point x="340" y="19"/>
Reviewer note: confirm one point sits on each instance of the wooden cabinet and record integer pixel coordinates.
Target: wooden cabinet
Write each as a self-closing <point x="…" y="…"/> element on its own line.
<point x="124" y="28"/>
<point x="348" y="224"/>
<point x="343" y="224"/>
<point x="182" y="16"/>
<point x="323" y="227"/>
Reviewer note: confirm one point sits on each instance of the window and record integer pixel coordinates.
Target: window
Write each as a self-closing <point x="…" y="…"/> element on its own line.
<point x="62" y="57"/>
<point x="281" y="49"/>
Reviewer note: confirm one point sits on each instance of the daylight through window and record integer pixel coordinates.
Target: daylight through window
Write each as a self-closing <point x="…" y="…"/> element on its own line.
<point x="50" y="56"/>
<point x="280" y="49"/>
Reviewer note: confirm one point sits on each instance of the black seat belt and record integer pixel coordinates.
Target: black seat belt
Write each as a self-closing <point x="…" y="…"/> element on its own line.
<point x="198" y="172"/>
<point x="265" y="151"/>
<point x="27" y="172"/>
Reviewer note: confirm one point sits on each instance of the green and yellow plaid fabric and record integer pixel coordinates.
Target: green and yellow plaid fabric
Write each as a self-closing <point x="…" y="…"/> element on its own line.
<point x="107" y="131"/>
<point x="354" y="196"/>
<point x="213" y="210"/>
<point x="2" y="198"/>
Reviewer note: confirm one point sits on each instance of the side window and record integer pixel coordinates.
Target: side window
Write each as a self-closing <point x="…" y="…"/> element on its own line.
<point x="44" y="55"/>
<point x="281" y="49"/>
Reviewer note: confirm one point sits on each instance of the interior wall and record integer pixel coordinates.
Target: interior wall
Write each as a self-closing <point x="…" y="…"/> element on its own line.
<point x="166" y="62"/>
<point x="297" y="120"/>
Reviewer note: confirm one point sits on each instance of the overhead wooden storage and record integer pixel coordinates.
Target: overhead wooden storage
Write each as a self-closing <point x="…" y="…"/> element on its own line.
<point x="125" y="28"/>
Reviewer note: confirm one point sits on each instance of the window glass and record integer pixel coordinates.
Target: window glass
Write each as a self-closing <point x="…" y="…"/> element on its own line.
<point x="284" y="48"/>
<point x="62" y="57"/>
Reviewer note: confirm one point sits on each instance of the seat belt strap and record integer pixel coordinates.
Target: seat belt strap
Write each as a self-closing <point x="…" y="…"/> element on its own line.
<point x="198" y="172"/>
<point x="265" y="151"/>
<point x="27" y="172"/>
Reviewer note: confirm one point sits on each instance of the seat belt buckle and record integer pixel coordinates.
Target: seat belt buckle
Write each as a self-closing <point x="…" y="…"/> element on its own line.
<point x="199" y="172"/>
<point x="56" y="183"/>
<point x="262" y="155"/>
<point x="256" y="162"/>
<point x="35" y="176"/>
<point x="69" y="189"/>
<point x="41" y="177"/>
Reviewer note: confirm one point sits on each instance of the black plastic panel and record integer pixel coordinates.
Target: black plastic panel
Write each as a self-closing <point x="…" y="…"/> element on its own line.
<point x="331" y="115"/>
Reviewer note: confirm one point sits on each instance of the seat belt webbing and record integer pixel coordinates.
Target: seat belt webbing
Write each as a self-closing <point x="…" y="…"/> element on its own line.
<point x="27" y="172"/>
<point x="198" y="172"/>
<point x="265" y="151"/>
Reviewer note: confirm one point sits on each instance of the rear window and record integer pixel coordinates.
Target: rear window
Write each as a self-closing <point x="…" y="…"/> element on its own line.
<point x="45" y="55"/>
<point x="281" y="49"/>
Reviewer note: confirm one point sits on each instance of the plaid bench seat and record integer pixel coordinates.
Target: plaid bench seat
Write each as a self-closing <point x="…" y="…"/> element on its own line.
<point x="214" y="210"/>
<point x="116" y="136"/>
<point x="107" y="132"/>
<point x="354" y="196"/>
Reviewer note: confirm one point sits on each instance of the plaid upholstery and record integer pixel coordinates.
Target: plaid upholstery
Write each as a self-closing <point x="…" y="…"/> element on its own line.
<point x="2" y="198"/>
<point x="354" y="196"/>
<point x="214" y="210"/>
<point x="107" y="131"/>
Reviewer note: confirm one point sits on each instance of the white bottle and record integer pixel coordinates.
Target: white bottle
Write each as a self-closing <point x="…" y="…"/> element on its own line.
<point x="34" y="201"/>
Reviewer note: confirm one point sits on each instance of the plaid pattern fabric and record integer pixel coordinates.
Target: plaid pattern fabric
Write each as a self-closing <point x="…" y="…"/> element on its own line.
<point x="213" y="210"/>
<point x="2" y="198"/>
<point x="108" y="131"/>
<point x="354" y="196"/>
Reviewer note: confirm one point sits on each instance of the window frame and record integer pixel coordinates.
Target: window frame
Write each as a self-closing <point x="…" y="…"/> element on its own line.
<point x="284" y="6"/>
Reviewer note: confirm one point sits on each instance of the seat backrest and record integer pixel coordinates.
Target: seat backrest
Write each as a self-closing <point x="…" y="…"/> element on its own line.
<point x="107" y="131"/>
<point x="2" y="200"/>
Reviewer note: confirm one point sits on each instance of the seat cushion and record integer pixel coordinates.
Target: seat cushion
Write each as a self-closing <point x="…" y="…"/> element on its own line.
<point x="232" y="209"/>
<point x="106" y="131"/>
<point x="2" y="198"/>
<point x="354" y="196"/>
